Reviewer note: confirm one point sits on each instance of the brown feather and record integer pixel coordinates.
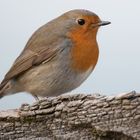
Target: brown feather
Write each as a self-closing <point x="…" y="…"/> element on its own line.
<point x="40" y="48"/>
<point x="27" y="60"/>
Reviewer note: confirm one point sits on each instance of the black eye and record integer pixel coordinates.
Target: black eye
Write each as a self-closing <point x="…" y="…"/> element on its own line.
<point x="81" y="21"/>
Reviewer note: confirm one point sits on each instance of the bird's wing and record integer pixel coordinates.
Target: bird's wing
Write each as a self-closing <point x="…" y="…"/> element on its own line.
<point x="28" y="59"/>
<point x="41" y="48"/>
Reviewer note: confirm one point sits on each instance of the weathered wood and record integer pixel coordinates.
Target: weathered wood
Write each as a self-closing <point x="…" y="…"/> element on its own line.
<point x="75" y="117"/>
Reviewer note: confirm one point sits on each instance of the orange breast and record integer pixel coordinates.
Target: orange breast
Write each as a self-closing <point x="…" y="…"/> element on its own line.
<point x="85" y="50"/>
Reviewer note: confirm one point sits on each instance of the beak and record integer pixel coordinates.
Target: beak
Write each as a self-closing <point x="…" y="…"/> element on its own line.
<point x="103" y="23"/>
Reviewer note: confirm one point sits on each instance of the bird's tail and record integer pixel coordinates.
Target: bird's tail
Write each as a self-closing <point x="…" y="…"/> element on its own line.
<point x="3" y="89"/>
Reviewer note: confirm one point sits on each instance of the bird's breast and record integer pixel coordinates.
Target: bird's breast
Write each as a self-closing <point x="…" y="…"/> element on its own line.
<point x="84" y="51"/>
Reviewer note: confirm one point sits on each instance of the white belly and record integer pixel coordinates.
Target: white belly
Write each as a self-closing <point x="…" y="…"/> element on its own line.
<point x="52" y="79"/>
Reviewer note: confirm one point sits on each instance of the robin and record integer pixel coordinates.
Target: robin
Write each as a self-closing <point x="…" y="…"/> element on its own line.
<point x="58" y="57"/>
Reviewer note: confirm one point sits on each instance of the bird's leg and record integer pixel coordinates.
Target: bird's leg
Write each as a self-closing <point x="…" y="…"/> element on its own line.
<point x="36" y="98"/>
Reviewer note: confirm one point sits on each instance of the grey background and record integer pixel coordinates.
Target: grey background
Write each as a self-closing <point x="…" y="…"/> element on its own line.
<point x="118" y="68"/>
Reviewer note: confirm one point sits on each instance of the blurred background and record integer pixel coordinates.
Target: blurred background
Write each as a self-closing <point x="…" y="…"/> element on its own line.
<point x="118" y="68"/>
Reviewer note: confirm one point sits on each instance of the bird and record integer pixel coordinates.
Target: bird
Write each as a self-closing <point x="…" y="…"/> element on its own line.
<point x="58" y="57"/>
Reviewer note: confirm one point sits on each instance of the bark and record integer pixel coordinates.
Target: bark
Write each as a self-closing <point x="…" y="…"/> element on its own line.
<point x="75" y="117"/>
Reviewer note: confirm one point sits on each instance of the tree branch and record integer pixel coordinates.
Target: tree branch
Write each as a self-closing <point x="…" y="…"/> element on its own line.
<point x="75" y="117"/>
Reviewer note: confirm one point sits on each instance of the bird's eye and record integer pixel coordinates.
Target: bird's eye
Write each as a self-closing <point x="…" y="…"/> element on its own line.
<point x="81" y="21"/>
